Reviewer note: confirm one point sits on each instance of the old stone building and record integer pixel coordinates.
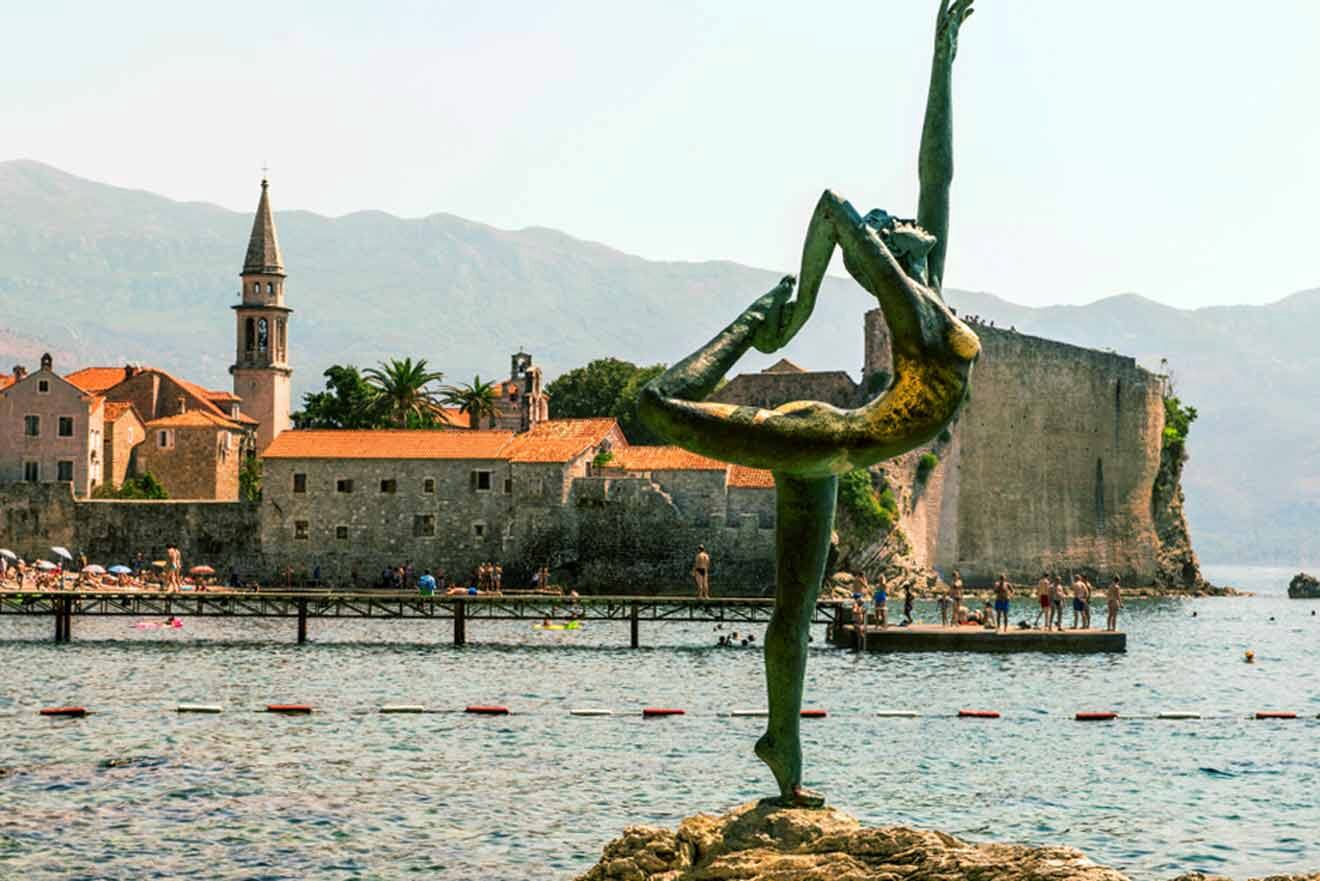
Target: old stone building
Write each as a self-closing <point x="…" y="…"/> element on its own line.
<point x="124" y="430"/>
<point x="261" y="367"/>
<point x="51" y="430"/>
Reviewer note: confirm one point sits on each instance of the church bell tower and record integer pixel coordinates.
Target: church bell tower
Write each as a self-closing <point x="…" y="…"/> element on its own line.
<point x="261" y="368"/>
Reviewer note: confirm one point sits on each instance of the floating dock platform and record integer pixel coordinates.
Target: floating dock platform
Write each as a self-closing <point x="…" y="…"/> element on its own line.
<point x="934" y="638"/>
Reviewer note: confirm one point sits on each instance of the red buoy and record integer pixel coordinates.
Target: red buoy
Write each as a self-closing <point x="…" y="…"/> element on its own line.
<point x="1276" y="715"/>
<point x="64" y="711"/>
<point x="814" y="714"/>
<point x="648" y="712"/>
<point x="487" y="710"/>
<point x="288" y="708"/>
<point x="1096" y="717"/>
<point x="978" y="714"/>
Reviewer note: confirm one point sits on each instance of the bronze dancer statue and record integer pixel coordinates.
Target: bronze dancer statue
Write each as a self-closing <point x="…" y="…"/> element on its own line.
<point x="808" y="444"/>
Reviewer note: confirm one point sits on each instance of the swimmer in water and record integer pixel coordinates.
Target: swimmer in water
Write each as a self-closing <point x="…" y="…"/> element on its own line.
<point x="1250" y="657"/>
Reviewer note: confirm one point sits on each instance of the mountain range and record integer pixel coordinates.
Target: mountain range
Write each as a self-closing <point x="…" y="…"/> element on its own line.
<point x="99" y="274"/>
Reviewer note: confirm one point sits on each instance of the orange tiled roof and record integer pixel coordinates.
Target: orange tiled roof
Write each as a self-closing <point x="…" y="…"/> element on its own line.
<point x="115" y="409"/>
<point x="97" y="379"/>
<point x="193" y="419"/>
<point x="595" y="429"/>
<point x="750" y="478"/>
<point x="226" y="397"/>
<point x="454" y="416"/>
<point x="662" y="459"/>
<point x="389" y="444"/>
<point x="6" y="380"/>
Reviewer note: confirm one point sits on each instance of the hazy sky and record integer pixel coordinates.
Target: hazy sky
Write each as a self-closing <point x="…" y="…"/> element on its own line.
<point x="1166" y="147"/>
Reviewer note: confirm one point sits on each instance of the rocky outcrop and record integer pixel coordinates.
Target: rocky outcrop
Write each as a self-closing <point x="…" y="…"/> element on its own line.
<point x="1177" y="566"/>
<point x="1304" y="587"/>
<point x="764" y="842"/>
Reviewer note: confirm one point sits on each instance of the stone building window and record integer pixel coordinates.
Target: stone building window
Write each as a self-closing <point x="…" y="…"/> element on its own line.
<point x="428" y="485"/>
<point x="300" y="483"/>
<point x="31" y="471"/>
<point x="43" y="386"/>
<point x="165" y="439"/>
<point x="423" y="526"/>
<point x="64" y="471"/>
<point x="343" y="485"/>
<point x="250" y="337"/>
<point x="479" y="531"/>
<point x="341" y="533"/>
<point x="300" y="529"/>
<point x="390" y="486"/>
<point x="65" y="426"/>
<point x="481" y="481"/>
<point x="32" y="426"/>
<point x="256" y="287"/>
<point x="270" y="287"/>
<point x="508" y="486"/>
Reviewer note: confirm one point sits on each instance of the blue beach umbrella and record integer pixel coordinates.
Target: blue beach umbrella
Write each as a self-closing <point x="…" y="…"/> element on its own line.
<point x="120" y="570"/>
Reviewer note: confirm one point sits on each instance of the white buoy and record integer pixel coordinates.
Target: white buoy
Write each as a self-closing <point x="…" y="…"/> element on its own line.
<point x="590" y="711"/>
<point x="750" y="713"/>
<point x="403" y="708"/>
<point x="200" y="708"/>
<point x="897" y="714"/>
<point x="1179" y="714"/>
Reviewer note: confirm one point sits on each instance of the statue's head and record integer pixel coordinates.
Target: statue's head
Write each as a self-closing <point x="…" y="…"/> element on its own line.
<point x="905" y="239"/>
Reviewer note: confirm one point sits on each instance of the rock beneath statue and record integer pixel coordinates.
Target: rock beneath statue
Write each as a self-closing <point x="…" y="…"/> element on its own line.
<point x="1304" y="587"/>
<point x="762" y="841"/>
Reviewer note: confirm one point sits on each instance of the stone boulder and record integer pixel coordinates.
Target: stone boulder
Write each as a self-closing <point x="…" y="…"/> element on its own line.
<point x="1304" y="587"/>
<point x="761" y="841"/>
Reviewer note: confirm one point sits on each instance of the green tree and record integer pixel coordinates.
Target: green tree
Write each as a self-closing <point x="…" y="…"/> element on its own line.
<point x="348" y="402"/>
<point x="405" y="397"/>
<point x="476" y="399"/>
<point x="144" y="487"/>
<point x="1178" y="419"/>
<point x="605" y="387"/>
<point x="249" y="479"/>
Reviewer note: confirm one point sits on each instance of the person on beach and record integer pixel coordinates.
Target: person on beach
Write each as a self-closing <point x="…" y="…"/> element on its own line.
<point x="426" y="584"/>
<point x="1114" y="596"/>
<point x="1003" y="592"/>
<point x="1043" y="596"/>
<point x="174" y="565"/>
<point x="701" y="572"/>
<point x="1079" y="604"/>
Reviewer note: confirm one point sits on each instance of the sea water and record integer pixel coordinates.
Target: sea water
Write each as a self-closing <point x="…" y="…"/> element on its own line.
<point x="136" y="790"/>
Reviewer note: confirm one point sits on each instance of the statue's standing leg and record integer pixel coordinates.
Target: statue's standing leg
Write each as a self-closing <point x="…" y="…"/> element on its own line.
<point x="803" y="526"/>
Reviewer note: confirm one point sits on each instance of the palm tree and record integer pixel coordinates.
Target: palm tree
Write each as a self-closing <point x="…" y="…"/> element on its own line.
<point x="404" y="394"/>
<point x="477" y="400"/>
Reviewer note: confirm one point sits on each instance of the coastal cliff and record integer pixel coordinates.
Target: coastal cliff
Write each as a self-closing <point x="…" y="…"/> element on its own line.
<point x="760" y="841"/>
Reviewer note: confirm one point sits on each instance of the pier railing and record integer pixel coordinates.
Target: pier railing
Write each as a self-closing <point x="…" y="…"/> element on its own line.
<point x="64" y="606"/>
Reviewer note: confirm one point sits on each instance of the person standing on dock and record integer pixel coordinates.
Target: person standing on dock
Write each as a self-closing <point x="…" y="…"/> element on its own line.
<point x="956" y="597"/>
<point x="944" y="602"/>
<point x="701" y="573"/>
<point x="907" y="604"/>
<point x="1043" y="596"/>
<point x="1003" y="592"/>
<point x="1115" y="598"/>
<point x="881" y="597"/>
<point x="1080" y="597"/>
<point x="1057" y="596"/>
<point x="426" y="584"/>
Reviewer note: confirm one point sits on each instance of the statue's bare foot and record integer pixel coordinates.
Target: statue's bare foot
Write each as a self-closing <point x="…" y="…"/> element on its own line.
<point x="785" y="769"/>
<point x="804" y="798"/>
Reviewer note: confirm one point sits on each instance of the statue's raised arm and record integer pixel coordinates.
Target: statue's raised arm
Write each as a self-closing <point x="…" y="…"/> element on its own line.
<point x="936" y="161"/>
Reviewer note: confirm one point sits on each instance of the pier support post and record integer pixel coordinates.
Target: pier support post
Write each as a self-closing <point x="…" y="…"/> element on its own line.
<point x="635" y="626"/>
<point x="302" y="621"/>
<point x="59" y="619"/>
<point x="460" y="622"/>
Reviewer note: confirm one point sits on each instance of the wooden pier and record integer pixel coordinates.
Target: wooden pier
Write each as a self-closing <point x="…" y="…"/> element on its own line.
<point x="303" y="606"/>
<point x="934" y="638"/>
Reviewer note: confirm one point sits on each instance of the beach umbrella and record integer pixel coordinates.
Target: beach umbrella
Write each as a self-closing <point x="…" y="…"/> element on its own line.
<point x="120" y="570"/>
<point x="201" y="570"/>
<point x="159" y="564"/>
<point x="63" y="552"/>
<point x="45" y="565"/>
<point x="94" y="569"/>
<point x="8" y="554"/>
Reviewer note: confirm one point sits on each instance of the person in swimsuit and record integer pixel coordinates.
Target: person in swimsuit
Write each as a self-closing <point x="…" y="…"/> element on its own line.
<point x="1115" y="599"/>
<point x="907" y="604"/>
<point x="944" y="603"/>
<point x="956" y="598"/>
<point x="1043" y="596"/>
<point x="1003" y="591"/>
<point x="701" y="572"/>
<point x="882" y="600"/>
<point x="1080" y="596"/>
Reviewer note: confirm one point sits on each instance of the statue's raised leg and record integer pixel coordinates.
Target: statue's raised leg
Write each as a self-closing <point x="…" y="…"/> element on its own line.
<point x="804" y="522"/>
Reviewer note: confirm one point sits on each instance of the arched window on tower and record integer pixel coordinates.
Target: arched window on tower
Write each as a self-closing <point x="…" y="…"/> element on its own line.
<point x="250" y="338"/>
<point x="270" y="287"/>
<point x="256" y="287"/>
<point x="263" y="336"/>
<point x="281" y="340"/>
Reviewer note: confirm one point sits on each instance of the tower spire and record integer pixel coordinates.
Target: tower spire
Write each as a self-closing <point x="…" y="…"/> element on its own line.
<point x="263" y="251"/>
